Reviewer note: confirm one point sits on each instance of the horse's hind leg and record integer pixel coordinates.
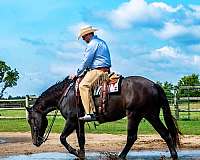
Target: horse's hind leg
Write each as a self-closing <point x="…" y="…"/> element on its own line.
<point x="69" y="128"/>
<point x="80" y="132"/>
<point x="164" y="133"/>
<point x="133" y="122"/>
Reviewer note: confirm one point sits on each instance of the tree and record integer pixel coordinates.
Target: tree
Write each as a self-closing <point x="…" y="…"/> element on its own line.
<point x="190" y="80"/>
<point x="168" y="88"/>
<point x="8" y="77"/>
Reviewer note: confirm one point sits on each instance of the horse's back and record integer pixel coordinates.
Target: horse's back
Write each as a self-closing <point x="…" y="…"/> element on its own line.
<point x="136" y="84"/>
<point x="139" y="79"/>
<point x="139" y="92"/>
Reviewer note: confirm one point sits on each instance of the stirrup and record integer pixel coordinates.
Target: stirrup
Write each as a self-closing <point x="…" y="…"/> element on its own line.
<point x="88" y="118"/>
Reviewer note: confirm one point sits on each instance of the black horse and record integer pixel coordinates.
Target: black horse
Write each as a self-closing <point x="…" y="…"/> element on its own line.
<point x="139" y="98"/>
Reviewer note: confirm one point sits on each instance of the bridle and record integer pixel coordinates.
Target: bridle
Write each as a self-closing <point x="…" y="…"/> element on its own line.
<point x="48" y="131"/>
<point x="46" y="135"/>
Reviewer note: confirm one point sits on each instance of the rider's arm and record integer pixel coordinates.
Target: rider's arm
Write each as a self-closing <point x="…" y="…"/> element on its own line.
<point x="88" y="57"/>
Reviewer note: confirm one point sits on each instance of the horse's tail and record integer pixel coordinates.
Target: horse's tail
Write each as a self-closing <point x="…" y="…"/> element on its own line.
<point x="170" y="121"/>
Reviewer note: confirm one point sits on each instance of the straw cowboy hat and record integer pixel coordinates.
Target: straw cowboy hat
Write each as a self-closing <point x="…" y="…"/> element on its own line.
<point x="86" y="30"/>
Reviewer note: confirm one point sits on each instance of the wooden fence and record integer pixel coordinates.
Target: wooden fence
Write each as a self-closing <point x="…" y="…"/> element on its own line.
<point x="11" y="104"/>
<point x="187" y="100"/>
<point x="14" y="104"/>
<point x="175" y="103"/>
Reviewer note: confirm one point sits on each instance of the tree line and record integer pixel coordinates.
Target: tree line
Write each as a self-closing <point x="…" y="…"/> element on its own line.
<point x="189" y="80"/>
<point x="9" y="78"/>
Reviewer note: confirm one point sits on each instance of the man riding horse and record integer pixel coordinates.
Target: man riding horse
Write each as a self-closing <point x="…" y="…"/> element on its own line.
<point x="96" y="62"/>
<point x="138" y="98"/>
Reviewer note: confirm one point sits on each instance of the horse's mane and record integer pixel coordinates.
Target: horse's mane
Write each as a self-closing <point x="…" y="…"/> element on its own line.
<point x="53" y="89"/>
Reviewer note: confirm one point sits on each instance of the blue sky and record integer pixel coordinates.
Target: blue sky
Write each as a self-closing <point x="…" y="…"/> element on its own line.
<point x="159" y="40"/>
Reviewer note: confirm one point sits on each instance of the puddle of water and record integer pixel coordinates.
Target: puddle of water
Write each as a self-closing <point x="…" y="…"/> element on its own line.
<point x="155" y="155"/>
<point x="136" y="155"/>
<point x="2" y="141"/>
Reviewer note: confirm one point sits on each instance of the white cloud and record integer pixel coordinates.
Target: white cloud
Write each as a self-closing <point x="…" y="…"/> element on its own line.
<point x="175" y="56"/>
<point x="165" y="7"/>
<point x="195" y="7"/>
<point x="170" y="30"/>
<point x="135" y="11"/>
<point x="195" y="11"/>
<point x="130" y="12"/>
<point x="196" y="60"/>
<point x="173" y="30"/>
<point x="166" y="51"/>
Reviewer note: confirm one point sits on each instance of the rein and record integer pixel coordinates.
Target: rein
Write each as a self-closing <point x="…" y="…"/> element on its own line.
<point x="45" y="137"/>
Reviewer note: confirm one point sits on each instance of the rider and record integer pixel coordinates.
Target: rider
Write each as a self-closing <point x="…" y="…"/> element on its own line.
<point x="96" y="62"/>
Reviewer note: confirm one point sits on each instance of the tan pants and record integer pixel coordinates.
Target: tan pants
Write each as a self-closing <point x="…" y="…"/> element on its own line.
<point x="85" y="89"/>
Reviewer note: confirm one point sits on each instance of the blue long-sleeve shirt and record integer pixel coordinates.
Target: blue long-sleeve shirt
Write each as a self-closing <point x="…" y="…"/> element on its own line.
<point x="96" y="55"/>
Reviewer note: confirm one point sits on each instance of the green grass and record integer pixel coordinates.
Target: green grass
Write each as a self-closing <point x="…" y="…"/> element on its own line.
<point x="13" y="113"/>
<point x="190" y="127"/>
<point x="14" y="125"/>
<point x="118" y="127"/>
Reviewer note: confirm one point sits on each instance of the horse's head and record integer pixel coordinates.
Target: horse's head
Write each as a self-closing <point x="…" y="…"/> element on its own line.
<point x="38" y="123"/>
<point x="47" y="102"/>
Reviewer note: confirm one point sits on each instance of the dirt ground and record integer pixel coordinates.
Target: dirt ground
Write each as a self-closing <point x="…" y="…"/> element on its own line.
<point x="20" y="143"/>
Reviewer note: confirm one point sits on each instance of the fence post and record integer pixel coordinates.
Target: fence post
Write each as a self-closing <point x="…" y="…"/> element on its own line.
<point x="27" y="105"/>
<point x="188" y="98"/>
<point x="176" y="104"/>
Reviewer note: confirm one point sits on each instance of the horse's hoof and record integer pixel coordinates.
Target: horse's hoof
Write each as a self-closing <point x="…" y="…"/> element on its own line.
<point x="121" y="157"/>
<point x="81" y="154"/>
<point x="74" y="152"/>
<point x="174" y="157"/>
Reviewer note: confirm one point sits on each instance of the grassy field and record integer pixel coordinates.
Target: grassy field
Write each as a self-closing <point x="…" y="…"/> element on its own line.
<point x="118" y="127"/>
<point x="183" y="115"/>
<point x="13" y="113"/>
<point x="19" y="124"/>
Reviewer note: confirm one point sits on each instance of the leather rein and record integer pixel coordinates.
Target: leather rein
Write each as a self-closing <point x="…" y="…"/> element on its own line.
<point x="45" y="137"/>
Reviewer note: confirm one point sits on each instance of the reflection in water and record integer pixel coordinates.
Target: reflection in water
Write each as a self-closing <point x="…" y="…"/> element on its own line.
<point x="136" y="155"/>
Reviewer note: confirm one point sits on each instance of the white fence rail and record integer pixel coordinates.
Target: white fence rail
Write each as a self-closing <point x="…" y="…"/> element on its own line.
<point x="28" y="101"/>
<point x="188" y="100"/>
<point x="12" y="106"/>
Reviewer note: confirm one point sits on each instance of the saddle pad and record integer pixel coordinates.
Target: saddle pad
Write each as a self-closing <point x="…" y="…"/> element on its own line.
<point x="112" y="88"/>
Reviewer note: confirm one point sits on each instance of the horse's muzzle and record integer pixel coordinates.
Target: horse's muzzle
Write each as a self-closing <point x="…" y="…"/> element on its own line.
<point x="38" y="143"/>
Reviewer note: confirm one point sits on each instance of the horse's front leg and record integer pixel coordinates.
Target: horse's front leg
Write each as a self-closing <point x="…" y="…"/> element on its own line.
<point x="70" y="126"/>
<point x="80" y="132"/>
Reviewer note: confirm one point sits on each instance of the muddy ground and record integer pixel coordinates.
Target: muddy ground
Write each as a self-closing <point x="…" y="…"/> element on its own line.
<point x="20" y="143"/>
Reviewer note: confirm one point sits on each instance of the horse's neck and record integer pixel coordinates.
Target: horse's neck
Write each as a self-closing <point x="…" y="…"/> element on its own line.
<point x="52" y="100"/>
<point x="44" y="109"/>
<point x="47" y="106"/>
<point x="49" y="109"/>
